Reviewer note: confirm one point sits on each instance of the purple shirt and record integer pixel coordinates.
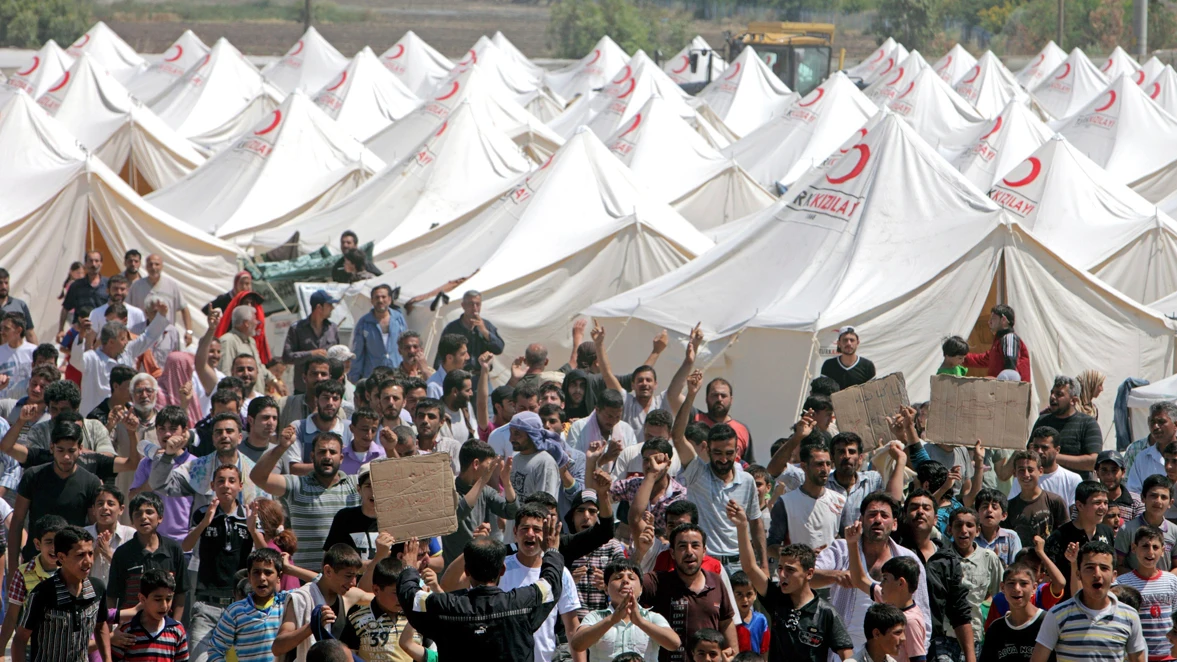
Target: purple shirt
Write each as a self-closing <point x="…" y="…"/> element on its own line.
<point x="176" y="510"/>
<point x="352" y="461"/>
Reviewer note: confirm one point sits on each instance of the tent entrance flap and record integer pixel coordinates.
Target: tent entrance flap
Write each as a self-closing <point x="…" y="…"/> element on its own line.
<point x="981" y="338"/>
<point x="111" y="263"/>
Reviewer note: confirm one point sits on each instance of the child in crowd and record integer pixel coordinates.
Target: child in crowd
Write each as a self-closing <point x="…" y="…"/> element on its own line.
<point x="1157" y="496"/>
<point x="753" y="628"/>
<point x="341" y="567"/>
<point x="1158" y="591"/>
<point x="1127" y="595"/>
<point x="884" y="626"/>
<point x="156" y="635"/>
<point x="1011" y="638"/>
<point x="266" y="523"/>
<point x="625" y="626"/>
<point x="373" y="631"/>
<point x="992" y="509"/>
<point x="146" y="550"/>
<point x="1048" y="578"/>
<point x="955" y="349"/>
<point x="43" y="565"/>
<point x="747" y="656"/>
<point x="109" y="533"/>
<point x="708" y="645"/>
<point x="1112" y="518"/>
<point x="249" y="626"/>
<point x="897" y="587"/>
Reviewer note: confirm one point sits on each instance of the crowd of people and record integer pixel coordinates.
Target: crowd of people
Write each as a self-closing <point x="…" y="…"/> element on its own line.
<point x="173" y="497"/>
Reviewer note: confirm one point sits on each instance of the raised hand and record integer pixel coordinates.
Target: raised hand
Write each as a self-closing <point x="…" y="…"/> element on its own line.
<point x="694" y="383"/>
<point x="552" y="528"/>
<point x="505" y="471"/>
<point x="853" y="534"/>
<point x="214" y="318"/>
<point x="409" y="554"/>
<point x="518" y="368"/>
<point x="598" y="333"/>
<point x="288" y="437"/>
<point x="735" y="512"/>
<point x="486" y="360"/>
<point x="661" y="341"/>
<point x="602" y="481"/>
<point x="211" y="513"/>
<point x="384" y="543"/>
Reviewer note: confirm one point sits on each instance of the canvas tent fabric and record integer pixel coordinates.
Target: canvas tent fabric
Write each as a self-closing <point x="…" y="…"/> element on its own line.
<point x="38" y="73"/>
<point x="1070" y="87"/>
<point x="61" y="200"/>
<point x="1047" y="60"/>
<point x="747" y="94"/>
<point x="308" y="65"/>
<point x="955" y="64"/>
<point x="184" y="53"/>
<point x="1119" y="62"/>
<point x="939" y="115"/>
<point x="104" y="45"/>
<point x="365" y="97"/>
<point x="888" y="66"/>
<point x="417" y="64"/>
<point x="123" y="133"/>
<point x="706" y="187"/>
<point x="511" y="51"/>
<point x="524" y="86"/>
<point x="1009" y="138"/>
<point x="890" y="204"/>
<point x="1162" y="89"/>
<point x="293" y="162"/>
<point x="1148" y="71"/>
<point x="989" y="86"/>
<point x="781" y="150"/>
<point x="591" y="72"/>
<point x="870" y="63"/>
<point x="889" y="86"/>
<point x="679" y="66"/>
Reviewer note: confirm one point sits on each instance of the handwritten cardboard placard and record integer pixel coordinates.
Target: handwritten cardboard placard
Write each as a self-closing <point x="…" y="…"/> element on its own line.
<point x="415" y="496"/>
<point x="964" y="409"/>
<point x="863" y="409"/>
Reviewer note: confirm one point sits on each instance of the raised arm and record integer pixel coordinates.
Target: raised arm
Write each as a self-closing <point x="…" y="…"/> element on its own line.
<point x="661" y="341"/>
<point x="801" y="429"/>
<point x="204" y="372"/>
<point x="859" y="578"/>
<point x="1057" y="580"/>
<point x="684" y="448"/>
<point x="895" y="480"/>
<point x="641" y="500"/>
<point x="8" y="444"/>
<point x="757" y="574"/>
<point x="611" y="381"/>
<point x="577" y="337"/>
<point x="263" y="474"/>
<point x="485" y="361"/>
<point x="674" y="392"/>
<point x="154" y="332"/>
<point x="978" y="473"/>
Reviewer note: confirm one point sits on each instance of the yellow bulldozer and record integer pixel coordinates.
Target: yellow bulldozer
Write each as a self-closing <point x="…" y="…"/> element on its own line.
<point x="800" y="54"/>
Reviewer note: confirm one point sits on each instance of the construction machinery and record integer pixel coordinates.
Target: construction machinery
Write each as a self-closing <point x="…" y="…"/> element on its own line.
<point x="800" y="54"/>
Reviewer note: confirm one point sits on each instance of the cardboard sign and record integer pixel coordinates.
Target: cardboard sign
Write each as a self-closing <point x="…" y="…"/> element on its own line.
<point x="965" y="409"/>
<point x="415" y="496"/>
<point x="863" y="409"/>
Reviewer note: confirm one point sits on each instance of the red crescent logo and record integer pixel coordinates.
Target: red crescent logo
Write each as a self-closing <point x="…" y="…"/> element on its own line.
<point x="296" y="50"/>
<point x="897" y="77"/>
<point x="452" y="92"/>
<point x="273" y="125"/>
<point x="1066" y="73"/>
<point x="890" y="63"/>
<point x="946" y="64"/>
<point x="1156" y="91"/>
<point x="1111" y="100"/>
<point x="82" y="41"/>
<point x="1108" y="65"/>
<point x="637" y="119"/>
<point x="626" y="73"/>
<point x="906" y="92"/>
<point x="995" y="129"/>
<point x="1035" y="168"/>
<point x="976" y="72"/>
<point x="60" y="84"/>
<point x="820" y="93"/>
<point x="861" y="135"/>
<point x="878" y="56"/>
<point x="207" y="57"/>
<point x="342" y="80"/>
<point x="393" y="263"/>
<point x="36" y="63"/>
<point x="1041" y="57"/>
<point x="179" y="53"/>
<point x="400" y="50"/>
<point x="596" y="56"/>
<point x="864" y="156"/>
<point x="1139" y="77"/>
<point x="473" y="59"/>
<point x="632" y="84"/>
<point x="442" y="129"/>
<point x="734" y="73"/>
<point x="686" y="62"/>
<point x="548" y="162"/>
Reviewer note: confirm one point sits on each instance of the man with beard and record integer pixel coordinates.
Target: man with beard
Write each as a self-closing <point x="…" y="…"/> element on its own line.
<point x="88" y="291"/>
<point x="155" y="282"/>
<point x="1079" y="438"/>
<point x="246" y="368"/>
<point x="1146" y="452"/>
<point x="711" y="484"/>
<point x="413" y="364"/>
<point x="132" y="260"/>
<point x="644" y="396"/>
<point x="1008" y="351"/>
<point x="719" y="405"/>
<point x="311" y="500"/>
<point x="194" y="476"/>
<point x="239" y="341"/>
<point x="951" y="614"/>
<point x="296" y="407"/>
<point x="326" y="418"/>
<point x="431" y="434"/>
<point x="848" y="368"/>
<point x="811" y="514"/>
<point x="534" y="470"/>
<point x="460" y="421"/>
<point x="96" y="354"/>
<point x="60" y="397"/>
<point x="375" y="335"/>
<point x="390" y="404"/>
<point x="847" y="480"/>
<point x="10" y="304"/>
<point x="116" y="288"/>
<point x="262" y="415"/>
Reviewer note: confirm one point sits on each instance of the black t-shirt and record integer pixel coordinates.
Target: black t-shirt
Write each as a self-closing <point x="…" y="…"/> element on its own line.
<point x="860" y="373"/>
<point x="50" y="494"/>
<point x="82" y="294"/>
<point x="224" y="547"/>
<point x="355" y="529"/>
<point x="98" y="464"/>
<point x="1056" y="545"/>
<point x="1007" y="644"/>
<point x="1036" y="518"/>
<point x="809" y="633"/>
<point x="1078" y="434"/>
<point x="131" y="560"/>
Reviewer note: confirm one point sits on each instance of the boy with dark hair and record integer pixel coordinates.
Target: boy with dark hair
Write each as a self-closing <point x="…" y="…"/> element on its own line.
<point x="1034" y="511"/>
<point x="992" y="509"/>
<point x="1129" y="596"/>
<point x="708" y="645"/>
<point x="1049" y="580"/>
<point x="156" y="635"/>
<point x="250" y="625"/>
<point x="1091" y="499"/>
<point x="625" y="626"/>
<point x="885" y="628"/>
<point x="63" y="611"/>
<point x="373" y="631"/>
<point x="955" y="350"/>
<point x="147" y="550"/>
<point x="753" y="627"/>
<point x="341" y="565"/>
<point x="1156" y="492"/>
<point x="900" y="576"/>
<point x="980" y="567"/>
<point x="109" y="533"/>
<point x="1158" y="591"/>
<point x="1011" y="638"/>
<point x="43" y="565"/>
<point x="481" y="466"/>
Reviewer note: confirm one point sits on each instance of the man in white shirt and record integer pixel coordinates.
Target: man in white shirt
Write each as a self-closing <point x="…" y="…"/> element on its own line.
<point x="117" y="288"/>
<point x="156" y="282"/>
<point x="95" y="356"/>
<point x="16" y="356"/>
<point x="1055" y="478"/>
<point x="813" y="512"/>
<point x="461" y="423"/>
<point x="603" y="424"/>
<point x="1147" y="459"/>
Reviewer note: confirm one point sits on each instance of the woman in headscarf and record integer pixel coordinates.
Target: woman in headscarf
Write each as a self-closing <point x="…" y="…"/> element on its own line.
<point x="179" y="371"/>
<point x="575" y="389"/>
<point x="248" y="298"/>
<point x="1091" y="383"/>
<point x="242" y="282"/>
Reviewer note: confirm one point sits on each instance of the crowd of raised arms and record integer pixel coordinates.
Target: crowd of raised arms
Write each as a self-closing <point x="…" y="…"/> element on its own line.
<point x="167" y="496"/>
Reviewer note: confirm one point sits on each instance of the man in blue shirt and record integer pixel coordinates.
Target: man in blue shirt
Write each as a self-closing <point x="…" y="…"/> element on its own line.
<point x="375" y="335"/>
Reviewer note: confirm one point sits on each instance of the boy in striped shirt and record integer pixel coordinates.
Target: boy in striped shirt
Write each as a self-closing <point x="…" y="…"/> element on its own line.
<point x="157" y="636"/>
<point x="1093" y="626"/>
<point x="249" y="626"/>
<point x="1158" y="591"/>
<point x="43" y="565"/>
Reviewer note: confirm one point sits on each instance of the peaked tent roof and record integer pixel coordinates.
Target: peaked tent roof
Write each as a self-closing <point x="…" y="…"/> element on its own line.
<point x="747" y="94"/>
<point x="1011" y="137"/>
<point x="509" y="49"/>
<point x="1119" y="62"/>
<point x="104" y="45"/>
<point x="419" y="66"/>
<point x="897" y="79"/>
<point x="1036" y="71"/>
<point x="679" y="66"/>
<point x="218" y="99"/>
<point x="785" y="147"/>
<point x="1124" y="132"/>
<point x="309" y="64"/>
<point x="38" y="73"/>
<point x="53" y="190"/>
<point x="706" y="187"/>
<point x="888" y="65"/>
<point x="112" y="124"/>
<point x="870" y="63"/>
<point x="1148" y="71"/>
<point x="955" y="64"/>
<point x="1163" y="89"/>
<point x="1072" y="85"/>
<point x="366" y="97"/>
<point x="292" y="163"/>
<point x="185" y="53"/>
<point x="456" y="172"/>
<point x="939" y="115"/>
<point x="524" y="86"/>
<point x="471" y="84"/>
<point x="1073" y="207"/>
<point x="989" y="86"/>
<point x="591" y="72"/>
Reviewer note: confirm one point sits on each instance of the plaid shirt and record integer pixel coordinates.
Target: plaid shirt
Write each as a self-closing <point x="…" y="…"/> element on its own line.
<point x="592" y="597"/>
<point x="170" y="645"/>
<point x="26" y="580"/>
<point x="627" y="490"/>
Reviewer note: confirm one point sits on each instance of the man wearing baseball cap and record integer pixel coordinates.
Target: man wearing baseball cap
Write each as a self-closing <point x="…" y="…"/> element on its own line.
<point x="312" y="336"/>
<point x="1109" y="470"/>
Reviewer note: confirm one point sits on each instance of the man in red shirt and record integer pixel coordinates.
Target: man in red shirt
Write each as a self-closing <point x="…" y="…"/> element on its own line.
<point x="719" y="405"/>
<point x="1008" y="351"/>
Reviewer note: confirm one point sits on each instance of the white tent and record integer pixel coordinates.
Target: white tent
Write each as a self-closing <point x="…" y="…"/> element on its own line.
<point x="102" y="44"/>
<point x="60" y="200"/>
<point x="939" y="115"/>
<point x="402" y="137"/>
<point x="889" y="86"/>
<point x="1124" y="132"/>
<point x="781" y="150"/>
<point x="366" y="97"/>
<point x="1162" y="89"/>
<point x="888" y="65"/>
<point x="499" y="39"/>
<point x="955" y="64"/>
<point x="747" y="94"/>
<point x="524" y="86"/>
<point x="706" y="187"/>
<point x="218" y="99"/>
<point x="1008" y="140"/>
<point x="891" y="205"/>
<point x="419" y="66"/>
<point x="1148" y="71"/>
<point x="1047" y="60"/>
<point x="124" y="133"/>
<point x="185" y="53"/>
<point x="1093" y="222"/>
<point x="679" y="66"/>
<point x="591" y="72"/>
<point x="1120" y="62"/>
<point x="1072" y="85"/>
<point x="457" y="171"/>
<point x="292" y="163"/>
<point x="989" y="86"/>
<point x="309" y="64"/>
<point x="870" y="63"/>
<point x="39" y="73"/>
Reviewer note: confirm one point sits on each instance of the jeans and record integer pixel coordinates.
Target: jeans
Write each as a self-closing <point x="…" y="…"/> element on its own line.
<point x="204" y="621"/>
